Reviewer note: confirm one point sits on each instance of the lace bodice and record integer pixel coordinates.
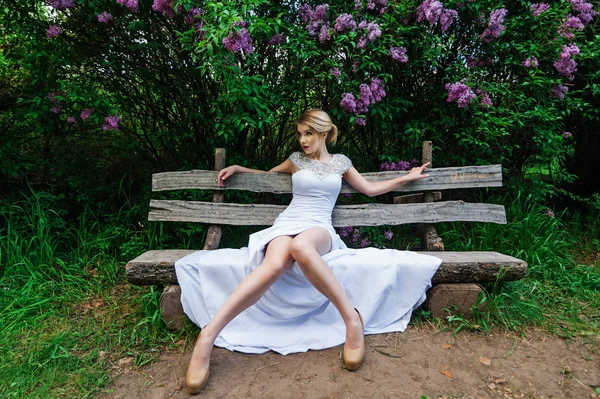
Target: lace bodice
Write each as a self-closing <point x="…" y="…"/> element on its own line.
<point x="339" y="164"/>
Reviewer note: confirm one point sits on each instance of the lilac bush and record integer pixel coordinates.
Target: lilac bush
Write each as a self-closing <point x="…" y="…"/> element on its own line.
<point x="111" y="123"/>
<point x="398" y="54"/>
<point x="530" y="62"/>
<point x="62" y="4"/>
<point x="238" y="40"/>
<point x="105" y="18"/>
<point x="86" y="113"/>
<point x="539" y="8"/>
<point x="430" y="10"/>
<point x="132" y="5"/>
<point x="344" y="23"/>
<point x="495" y="27"/>
<point x="460" y="93"/>
<point x="559" y="91"/>
<point x="53" y="31"/>
<point x="165" y="7"/>
<point x="565" y="65"/>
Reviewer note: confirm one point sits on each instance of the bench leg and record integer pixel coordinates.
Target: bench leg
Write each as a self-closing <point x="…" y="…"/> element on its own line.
<point x="444" y="299"/>
<point x="171" y="308"/>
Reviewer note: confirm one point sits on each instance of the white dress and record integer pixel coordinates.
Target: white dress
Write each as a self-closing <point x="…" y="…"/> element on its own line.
<point x="386" y="285"/>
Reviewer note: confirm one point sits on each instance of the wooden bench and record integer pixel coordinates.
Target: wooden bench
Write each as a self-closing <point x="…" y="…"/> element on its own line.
<point x="455" y="282"/>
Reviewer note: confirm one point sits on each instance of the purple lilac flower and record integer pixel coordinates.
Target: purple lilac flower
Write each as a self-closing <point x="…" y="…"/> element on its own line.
<point x="586" y="11"/>
<point x="398" y="54"/>
<point x="485" y="100"/>
<point x="530" y="61"/>
<point x="447" y="17"/>
<point x="357" y="5"/>
<point x="335" y="72"/>
<point x="62" y="4"/>
<point x="569" y="25"/>
<point x="565" y="65"/>
<point x="111" y="123"/>
<point x="460" y="92"/>
<point x="373" y="32"/>
<point x="388" y="235"/>
<point x="354" y="67"/>
<point x="324" y="34"/>
<point x="305" y="12"/>
<point x="86" y="113"/>
<point x="365" y="243"/>
<point x="431" y="10"/>
<point x="355" y="235"/>
<point x="240" y="40"/>
<point x="559" y="91"/>
<point x="539" y="8"/>
<point x="360" y="121"/>
<point x="403" y="165"/>
<point x="190" y="18"/>
<point x="105" y="18"/>
<point x="377" y="90"/>
<point x="56" y="109"/>
<point x="345" y="231"/>
<point x="321" y="12"/>
<point x="348" y="103"/>
<point x="276" y="40"/>
<point x="344" y="23"/>
<point x="164" y="6"/>
<point x="567" y="135"/>
<point x="131" y="4"/>
<point x="53" y="31"/>
<point x="71" y="120"/>
<point x="495" y="27"/>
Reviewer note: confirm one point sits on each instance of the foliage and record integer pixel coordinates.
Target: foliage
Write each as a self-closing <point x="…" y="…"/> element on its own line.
<point x="191" y="76"/>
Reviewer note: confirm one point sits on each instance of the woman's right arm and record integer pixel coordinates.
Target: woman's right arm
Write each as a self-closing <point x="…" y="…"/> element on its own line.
<point x="285" y="167"/>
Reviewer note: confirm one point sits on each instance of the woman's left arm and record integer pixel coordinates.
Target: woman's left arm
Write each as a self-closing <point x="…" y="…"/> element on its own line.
<point x="372" y="189"/>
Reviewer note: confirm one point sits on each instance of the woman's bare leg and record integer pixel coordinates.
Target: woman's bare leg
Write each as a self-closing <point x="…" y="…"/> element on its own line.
<point x="251" y="289"/>
<point x="306" y="249"/>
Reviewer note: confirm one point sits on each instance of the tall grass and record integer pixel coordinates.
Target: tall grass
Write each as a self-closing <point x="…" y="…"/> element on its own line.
<point x="557" y="292"/>
<point x="65" y="313"/>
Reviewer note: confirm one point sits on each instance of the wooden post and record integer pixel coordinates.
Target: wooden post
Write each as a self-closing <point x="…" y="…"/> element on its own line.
<point x="213" y="236"/>
<point x="429" y="238"/>
<point x="170" y="300"/>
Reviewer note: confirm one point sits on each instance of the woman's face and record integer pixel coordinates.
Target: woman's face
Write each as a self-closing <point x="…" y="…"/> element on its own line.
<point x="310" y="140"/>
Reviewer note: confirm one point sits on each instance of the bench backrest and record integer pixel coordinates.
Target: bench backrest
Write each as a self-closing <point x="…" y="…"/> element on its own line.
<point x="343" y="215"/>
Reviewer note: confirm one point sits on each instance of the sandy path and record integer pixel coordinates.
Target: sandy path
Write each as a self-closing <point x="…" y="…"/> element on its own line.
<point x="409" y="365"/>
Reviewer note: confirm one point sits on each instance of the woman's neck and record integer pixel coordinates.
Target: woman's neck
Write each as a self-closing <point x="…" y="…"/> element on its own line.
<point x="322" y="155"/>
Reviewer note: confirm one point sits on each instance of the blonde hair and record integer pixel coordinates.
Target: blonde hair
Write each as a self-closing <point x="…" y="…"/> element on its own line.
<point x="319" y="121"/>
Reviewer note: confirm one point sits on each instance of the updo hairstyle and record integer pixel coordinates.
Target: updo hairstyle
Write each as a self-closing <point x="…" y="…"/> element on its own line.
<point x="320" y="122"/>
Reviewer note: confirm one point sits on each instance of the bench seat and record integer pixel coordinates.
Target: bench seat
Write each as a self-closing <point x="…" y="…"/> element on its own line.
<point x="158" y="267"/>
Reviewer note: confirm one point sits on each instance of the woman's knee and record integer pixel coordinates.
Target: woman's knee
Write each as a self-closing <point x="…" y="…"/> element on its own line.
<point x="277" y="267"/>
<point x="300" y="249"/>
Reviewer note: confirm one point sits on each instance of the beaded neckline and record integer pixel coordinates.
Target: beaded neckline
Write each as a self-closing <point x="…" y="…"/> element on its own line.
<point x="338" y="164"/>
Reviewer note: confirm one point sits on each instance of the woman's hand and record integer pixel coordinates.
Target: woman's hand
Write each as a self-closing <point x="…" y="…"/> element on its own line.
<point x="417" y="173"/>
<point x="225" y="173"/>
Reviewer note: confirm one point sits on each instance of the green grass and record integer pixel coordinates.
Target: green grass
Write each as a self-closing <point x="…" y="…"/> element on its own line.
<point x="68" y="315"/>
<point x="558" y="293"/>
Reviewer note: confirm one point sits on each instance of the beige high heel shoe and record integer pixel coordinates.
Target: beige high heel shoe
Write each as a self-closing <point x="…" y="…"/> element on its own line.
<point x="196" y="379"/>
<point x="353" y="358"/>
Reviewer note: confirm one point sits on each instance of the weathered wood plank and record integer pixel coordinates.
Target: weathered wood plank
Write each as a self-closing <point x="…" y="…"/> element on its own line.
<point x="157" y="267"/>
<point x="439" y="179"/>
<point x="343" y="215"/>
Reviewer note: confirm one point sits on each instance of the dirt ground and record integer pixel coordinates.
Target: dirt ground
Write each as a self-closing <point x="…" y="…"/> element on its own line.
<point x="422" y="362"/>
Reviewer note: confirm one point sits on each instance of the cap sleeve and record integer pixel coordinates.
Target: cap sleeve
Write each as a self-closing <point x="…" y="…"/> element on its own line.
<point x="297" y="160"/>
<point x="344" y="163"/>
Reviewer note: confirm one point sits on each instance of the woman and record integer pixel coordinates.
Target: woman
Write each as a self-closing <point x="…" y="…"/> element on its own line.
<point x="299" y="238"/>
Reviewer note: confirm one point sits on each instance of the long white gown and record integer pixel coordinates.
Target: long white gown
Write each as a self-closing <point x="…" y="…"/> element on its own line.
<point x="386" y="285"/>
